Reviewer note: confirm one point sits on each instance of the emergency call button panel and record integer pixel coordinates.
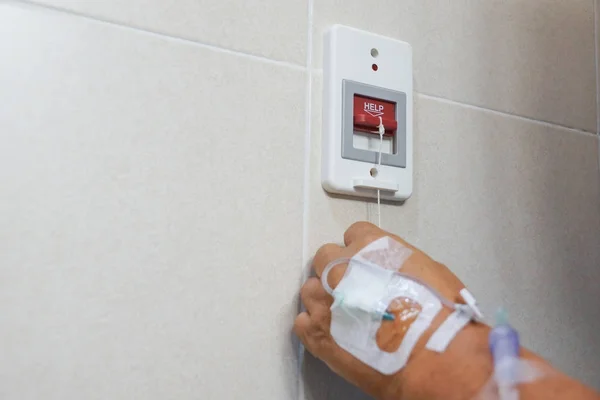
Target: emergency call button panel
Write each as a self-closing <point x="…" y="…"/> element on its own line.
<point x="367" y="82"/>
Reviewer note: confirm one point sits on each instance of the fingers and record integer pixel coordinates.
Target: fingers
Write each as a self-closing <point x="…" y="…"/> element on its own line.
<point x="326" y="254"/>
<point x="301" y="326"/>
<point x="314" y="297"/>
<point x="314" y="334"/>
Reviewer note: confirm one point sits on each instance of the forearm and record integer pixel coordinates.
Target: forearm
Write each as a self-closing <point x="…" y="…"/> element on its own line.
<point x="459" y="372"/>
<point x="466" y="366"/>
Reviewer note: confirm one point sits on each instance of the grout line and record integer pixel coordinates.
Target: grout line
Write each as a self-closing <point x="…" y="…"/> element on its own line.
<point x="506" y="114"/>
<point x="307" y="137"/>
<point x="162" y="35"/>
<point x="597" y="60"/>
<point x="319" y="71"/>
<point x="307" y="145"/>
<point x="305" y="269"/>
<point x="596" y="44"/>
<point x="311" y="71"/>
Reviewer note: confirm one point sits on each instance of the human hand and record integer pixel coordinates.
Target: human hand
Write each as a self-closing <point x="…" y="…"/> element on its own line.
<point x="313" y="326"/>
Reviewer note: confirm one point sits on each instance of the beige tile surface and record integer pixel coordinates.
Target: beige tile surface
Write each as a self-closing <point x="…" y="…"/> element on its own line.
<point x="531" y="58"/>
<point x="149" y="249"/>
<point x="512" y="206"/>
<point x="269" y="28"/>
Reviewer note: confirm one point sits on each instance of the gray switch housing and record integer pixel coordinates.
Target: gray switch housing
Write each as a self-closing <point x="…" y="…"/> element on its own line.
<point x="349" y="89"/>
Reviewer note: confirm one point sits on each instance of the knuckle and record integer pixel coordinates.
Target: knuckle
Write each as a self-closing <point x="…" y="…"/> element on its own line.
<point x="325" y="250"/>
<point x="358" y="227"/>
<point x="323" y="319"/>
<point x="361" y="226"/>
<point x="306" y="333"/>
<point x="308" y="289"/>
<point x="301" y="325"/>
<point x="325" y="254"/>
<point x="370" y="237"/>
<point x="362" y="232"/>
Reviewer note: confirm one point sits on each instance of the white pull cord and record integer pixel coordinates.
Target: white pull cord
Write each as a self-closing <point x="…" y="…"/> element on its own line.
<point x="381" y="132"/>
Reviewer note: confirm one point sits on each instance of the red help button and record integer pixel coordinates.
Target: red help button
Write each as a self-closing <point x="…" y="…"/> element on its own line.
<point x="367" y="111"/>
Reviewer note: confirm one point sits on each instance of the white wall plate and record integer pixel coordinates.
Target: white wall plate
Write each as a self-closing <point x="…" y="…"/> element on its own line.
<point x="366" y="76"/>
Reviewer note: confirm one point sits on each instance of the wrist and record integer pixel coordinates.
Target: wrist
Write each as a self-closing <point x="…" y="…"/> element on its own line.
<point x="462" y="369"/>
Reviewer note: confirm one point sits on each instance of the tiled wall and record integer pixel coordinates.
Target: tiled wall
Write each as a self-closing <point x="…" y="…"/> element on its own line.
<point x="160" y="195"/>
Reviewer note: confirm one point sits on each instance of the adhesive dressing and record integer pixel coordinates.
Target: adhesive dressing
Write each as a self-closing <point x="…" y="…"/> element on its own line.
<point x="363" y="296"/>
<point x="370" y="285"/>
<point x="361" y="300"/>
<point x="385" y="253"/>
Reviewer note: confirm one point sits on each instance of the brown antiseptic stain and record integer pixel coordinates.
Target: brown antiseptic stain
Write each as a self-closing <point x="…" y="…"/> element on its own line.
<point x="390" y="334"/>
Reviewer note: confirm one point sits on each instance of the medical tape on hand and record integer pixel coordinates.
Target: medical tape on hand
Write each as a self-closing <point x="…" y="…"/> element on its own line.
<point x="386" y="253"/>
<point x="363" y="295"/>
<point x="371" y="282"/>
<point x="463" y="314"/>
<point x="442" y="337"/>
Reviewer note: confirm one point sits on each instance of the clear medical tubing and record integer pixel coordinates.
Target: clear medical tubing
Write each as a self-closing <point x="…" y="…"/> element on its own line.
<point x="346" y="260"/>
